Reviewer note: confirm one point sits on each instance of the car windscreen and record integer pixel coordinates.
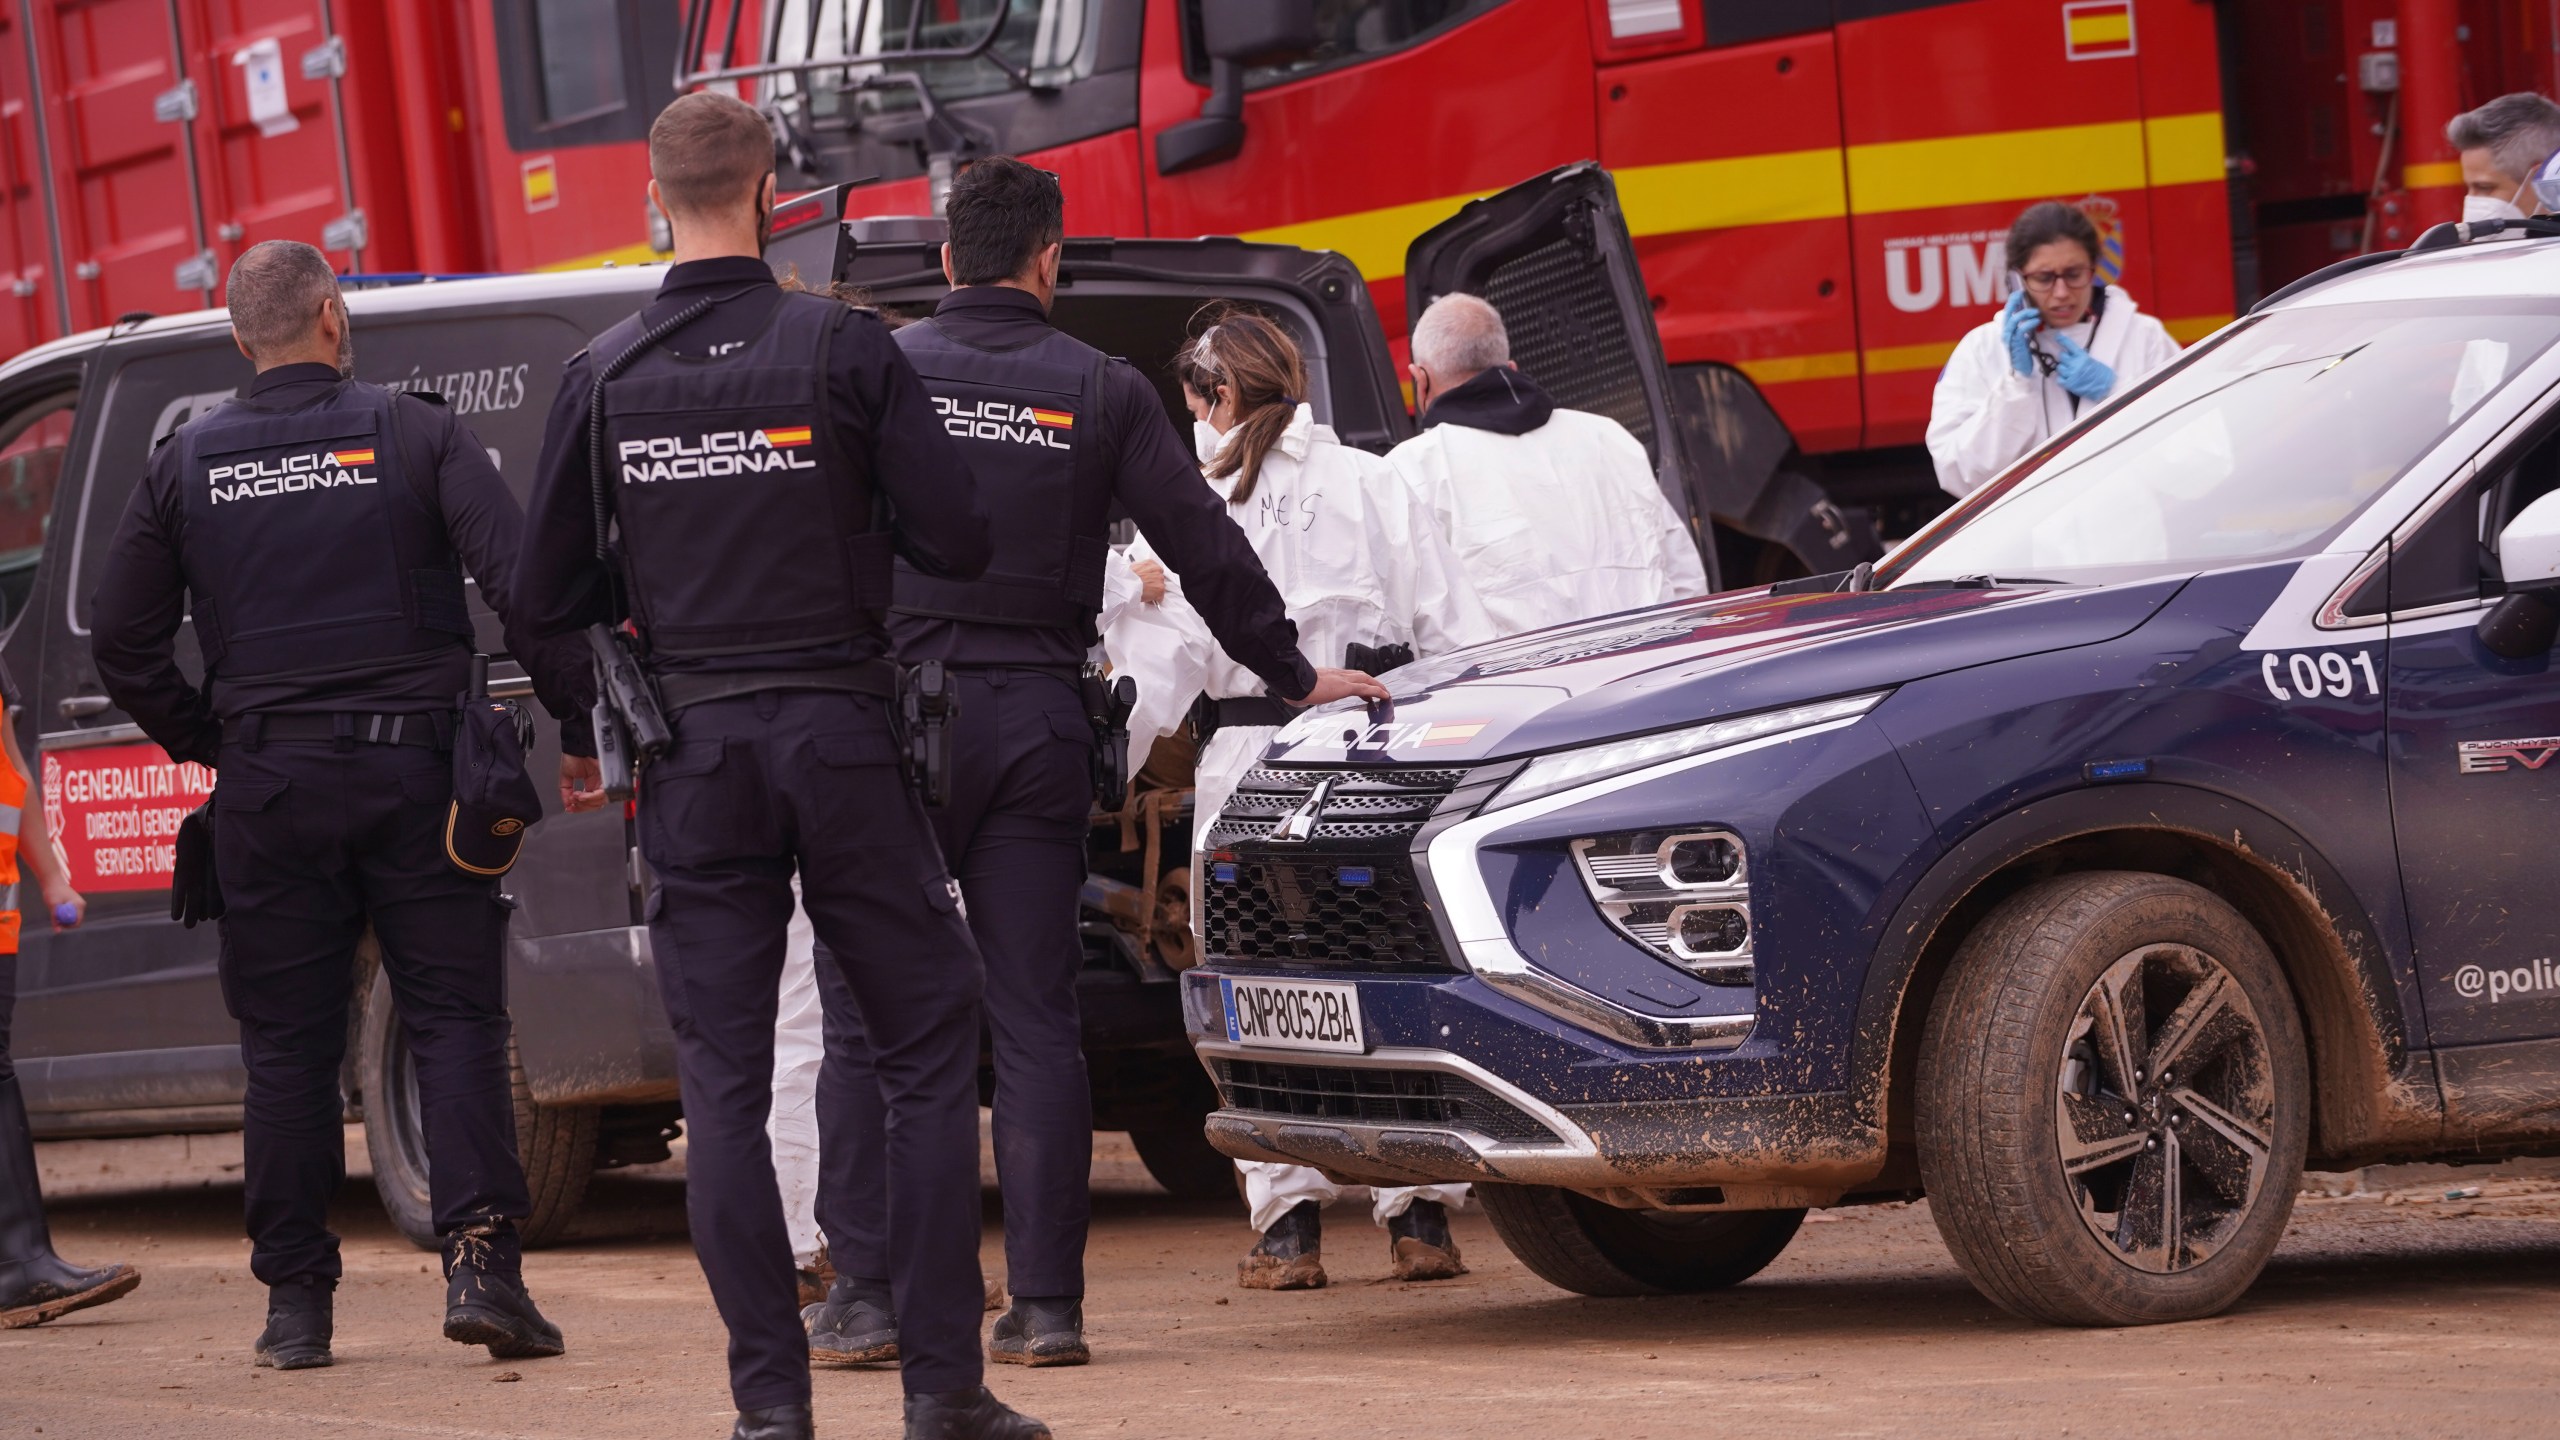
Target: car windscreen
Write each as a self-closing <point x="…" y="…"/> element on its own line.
<point x="2261" y="447"/>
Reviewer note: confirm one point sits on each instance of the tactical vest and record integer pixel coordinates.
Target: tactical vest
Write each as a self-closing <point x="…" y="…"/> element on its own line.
<point x="1025" y="420"/>
<point x="307" y="550"/>
<point x="741" y="529"/>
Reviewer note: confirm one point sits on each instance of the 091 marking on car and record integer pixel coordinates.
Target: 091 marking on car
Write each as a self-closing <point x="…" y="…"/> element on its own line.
<point x="2315" y="675"/>
<point x="1294" y="1014"/>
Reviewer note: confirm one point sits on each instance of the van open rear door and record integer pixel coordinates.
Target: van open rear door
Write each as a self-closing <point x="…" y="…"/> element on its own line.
<point x="1140" y="299"/>
<point x="1552" y="254"/>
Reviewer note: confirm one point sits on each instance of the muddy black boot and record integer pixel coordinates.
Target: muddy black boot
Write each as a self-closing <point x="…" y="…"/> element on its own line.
<point x="815" y="1279"/>
<point x="1419" y="1245"/>
<point x="969" y="1415"/>
<point x="485" y="1301"/>
<point x="1291" y="1253"/>
<point x="35" y="1284"/>
<point x="1040" y="1332"/>
<point x="774" y="1422"/>
<point x="299" y="1322"/>
<point x="854" y="1325"/>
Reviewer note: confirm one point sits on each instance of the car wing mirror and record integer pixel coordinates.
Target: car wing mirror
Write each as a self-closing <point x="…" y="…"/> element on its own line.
<point x="2525" y="623"/>
<point x="1237" y="34"/>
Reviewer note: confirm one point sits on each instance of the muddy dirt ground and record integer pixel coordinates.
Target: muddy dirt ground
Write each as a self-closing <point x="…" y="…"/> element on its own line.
<point x="2392" y="1311"/>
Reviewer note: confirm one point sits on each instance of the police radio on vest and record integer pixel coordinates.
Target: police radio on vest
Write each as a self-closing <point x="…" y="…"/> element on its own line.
<point x="319" y="470"/>
<point x="1004" y="420"/>
<point x="716" y="454"/>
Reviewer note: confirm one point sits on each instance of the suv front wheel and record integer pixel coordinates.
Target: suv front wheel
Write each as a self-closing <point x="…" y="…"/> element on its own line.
<point x="2113" y="1102"/>
<point x="1594" y="1248"/>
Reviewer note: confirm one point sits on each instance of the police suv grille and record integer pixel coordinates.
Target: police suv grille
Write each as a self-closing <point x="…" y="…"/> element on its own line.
<point x="1362" y="1096"/>
<point x="1345" y="897"/>
<point x="1363" y="804"/>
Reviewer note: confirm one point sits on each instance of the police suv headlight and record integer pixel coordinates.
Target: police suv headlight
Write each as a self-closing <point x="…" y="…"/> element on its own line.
<point x="1562" y="771"/>
<point x="1684" y="895"/>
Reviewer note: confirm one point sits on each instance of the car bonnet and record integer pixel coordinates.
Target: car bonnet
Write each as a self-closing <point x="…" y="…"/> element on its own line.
<point x="1697" y="661"/>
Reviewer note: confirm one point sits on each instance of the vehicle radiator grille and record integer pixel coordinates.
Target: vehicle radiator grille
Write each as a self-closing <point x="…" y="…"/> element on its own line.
<point x="1362" y="1096"/>
<point x="1346" y="896"/>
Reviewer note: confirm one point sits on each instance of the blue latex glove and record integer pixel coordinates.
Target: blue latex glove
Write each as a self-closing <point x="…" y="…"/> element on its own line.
<point x="2080" y="372"/>
<point x="2019" y="321"/>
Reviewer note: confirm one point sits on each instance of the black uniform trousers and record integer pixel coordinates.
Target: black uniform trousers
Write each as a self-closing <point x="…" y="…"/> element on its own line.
<point x="314" y="842"/>
<point x="757" y="786"/>
<point x="1014" y="831"/>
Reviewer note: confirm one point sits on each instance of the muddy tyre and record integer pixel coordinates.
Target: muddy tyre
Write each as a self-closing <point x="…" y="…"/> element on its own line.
<point x="1181" y="1160"/>
<point x="1594" y="1248"/>
<point x="556" y="1142"/>
<point x="2113" y="1102"/>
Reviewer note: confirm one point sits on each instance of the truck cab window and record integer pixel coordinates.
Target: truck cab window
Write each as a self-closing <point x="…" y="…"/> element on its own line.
<point x="1348" y="31"/>
<point x="584" y="72"/>
<point x="1052" y="41"/>
<point x="580" y="78"/>
<point x="32" y="443"/>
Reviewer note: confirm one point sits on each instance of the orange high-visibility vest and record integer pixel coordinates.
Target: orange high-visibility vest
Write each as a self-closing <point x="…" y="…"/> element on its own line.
<point x="13" y="799"/>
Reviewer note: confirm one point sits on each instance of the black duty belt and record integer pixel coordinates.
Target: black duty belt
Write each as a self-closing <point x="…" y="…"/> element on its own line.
<point x="1246" y="710"/>
<point x="876" y="678"/>
<point x="433" y="731"/>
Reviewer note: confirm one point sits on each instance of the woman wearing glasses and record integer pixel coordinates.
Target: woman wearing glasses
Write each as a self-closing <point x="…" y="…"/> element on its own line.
<point x="2063" y="343"/>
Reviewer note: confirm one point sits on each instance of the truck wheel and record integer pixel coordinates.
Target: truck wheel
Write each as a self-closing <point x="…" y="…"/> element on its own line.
<point x="1180" y="1158"/>
<point x="557" y="1142"/>
<point x="1594" y="1248"/>
<point x="2113" y="1102"/>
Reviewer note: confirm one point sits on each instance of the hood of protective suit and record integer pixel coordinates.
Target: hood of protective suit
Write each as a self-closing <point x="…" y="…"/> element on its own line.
<point x="1697" y="661"/>
<point x="1501" y="400"/>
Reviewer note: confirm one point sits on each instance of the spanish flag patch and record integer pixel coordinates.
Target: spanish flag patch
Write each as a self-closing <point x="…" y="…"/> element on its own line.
<point x="345" y="458"/>
<point x="785" y="439"/>
<point x="1054" y="419"/>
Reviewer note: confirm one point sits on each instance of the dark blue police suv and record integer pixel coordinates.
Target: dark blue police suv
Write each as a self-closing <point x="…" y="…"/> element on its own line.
<point x="2170" y="815"/>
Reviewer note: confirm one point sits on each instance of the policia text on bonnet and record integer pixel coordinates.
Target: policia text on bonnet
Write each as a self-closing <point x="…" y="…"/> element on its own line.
<point x="749" y="453"/>
<point x="1017" y="639"/>
<point x="316" y="495"/>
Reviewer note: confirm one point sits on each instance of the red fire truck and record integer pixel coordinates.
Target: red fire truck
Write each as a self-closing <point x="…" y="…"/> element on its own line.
<point x="1817" y="187"/>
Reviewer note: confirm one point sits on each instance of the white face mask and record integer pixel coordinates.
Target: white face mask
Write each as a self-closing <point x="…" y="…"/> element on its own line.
<point x="2476" y="208"/>
<point x="1206" y="440"/>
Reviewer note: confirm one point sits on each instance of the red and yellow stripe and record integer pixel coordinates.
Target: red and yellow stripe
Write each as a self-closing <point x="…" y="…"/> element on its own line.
<point x="1054" y="419"/>
<point x="787" y="438"/>
<point x="344" y="458"/>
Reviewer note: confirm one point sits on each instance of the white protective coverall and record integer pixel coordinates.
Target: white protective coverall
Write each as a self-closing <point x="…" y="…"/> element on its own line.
<point x="1563" y="522"/>
<point x="799" y="1043"/>
<point x="1985" y="415"/>
<point x="1357" y="561"/>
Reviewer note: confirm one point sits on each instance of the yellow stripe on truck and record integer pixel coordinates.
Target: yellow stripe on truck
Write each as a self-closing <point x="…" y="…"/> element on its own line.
<point x="1772" y="189"/>
<point x="1778" y="370"/>
<point x="2431" y="174"/>
<point x="1727" y="194"/>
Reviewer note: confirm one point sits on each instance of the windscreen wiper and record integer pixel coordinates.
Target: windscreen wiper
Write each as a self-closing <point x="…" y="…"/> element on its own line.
<point x="1980" y="582"/>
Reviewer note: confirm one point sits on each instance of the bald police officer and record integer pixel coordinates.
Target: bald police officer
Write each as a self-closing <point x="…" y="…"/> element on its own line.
<point x="752" y="441"/>
<point x="319" y="528"/>
<point x="1058" y="435"/>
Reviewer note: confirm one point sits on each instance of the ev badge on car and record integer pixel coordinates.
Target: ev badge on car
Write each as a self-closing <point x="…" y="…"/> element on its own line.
<point x="2488" y="757"/>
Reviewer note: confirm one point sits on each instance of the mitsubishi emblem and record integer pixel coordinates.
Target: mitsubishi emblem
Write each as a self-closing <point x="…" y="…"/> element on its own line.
<point x="1299" y="826"/>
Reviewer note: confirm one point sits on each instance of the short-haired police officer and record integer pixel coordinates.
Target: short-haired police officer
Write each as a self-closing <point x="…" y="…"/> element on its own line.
<point x="746" y="452"/>
<point x="1056" y="433"/>
<point x="320" y="529"/>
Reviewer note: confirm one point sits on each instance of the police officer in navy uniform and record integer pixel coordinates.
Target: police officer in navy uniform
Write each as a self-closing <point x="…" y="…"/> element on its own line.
<point x="1056" y="433"/>
<point x="764" y="452"/>
<point x="319" y="528"/>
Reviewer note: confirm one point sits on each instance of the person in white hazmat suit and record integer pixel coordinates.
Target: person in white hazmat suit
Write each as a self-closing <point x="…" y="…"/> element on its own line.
<point x="1360" y="565"/>
<point x="2063" y="344"/>
<point x="1554" y="514"/>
